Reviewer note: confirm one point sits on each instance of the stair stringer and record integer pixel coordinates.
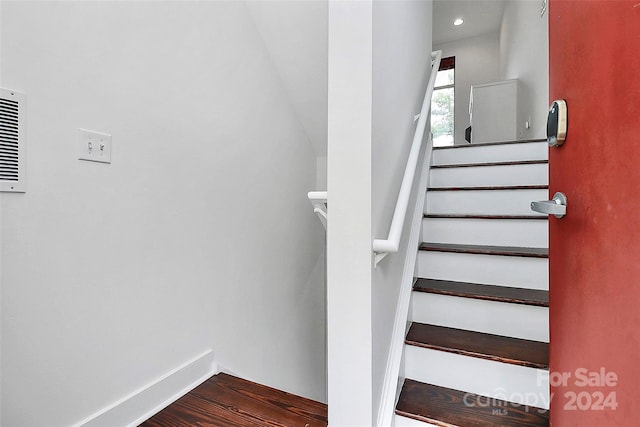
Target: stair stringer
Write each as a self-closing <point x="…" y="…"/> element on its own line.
<point x="393" y="378"/>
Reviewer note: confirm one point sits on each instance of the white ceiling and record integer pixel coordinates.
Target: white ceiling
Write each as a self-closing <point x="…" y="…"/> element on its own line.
<point x="480" y="17"/>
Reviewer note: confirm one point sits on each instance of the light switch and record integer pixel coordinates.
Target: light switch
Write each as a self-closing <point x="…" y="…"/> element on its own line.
<point x="94" y="146"/>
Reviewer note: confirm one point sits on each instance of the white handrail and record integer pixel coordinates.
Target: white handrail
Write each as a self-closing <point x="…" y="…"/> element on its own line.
<point x="318" y="200"/>
<point x="391" y="244"/>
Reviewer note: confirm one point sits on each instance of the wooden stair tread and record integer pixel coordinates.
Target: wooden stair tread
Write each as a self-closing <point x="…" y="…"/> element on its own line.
<point x="453" y="408"/>
<point x="525" y="141"/>
<point x="225" y="400"/>
<point x="491" y="188"/>
<point x="515" y="351"/>
<point x="472" y="216"/>
<point x="533" y="297"/>
<point x="475" y="165"/>
<point x="486" y="249"/>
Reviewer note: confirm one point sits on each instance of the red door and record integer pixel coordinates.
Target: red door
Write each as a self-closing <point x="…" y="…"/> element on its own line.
<point x="594" y="49"/>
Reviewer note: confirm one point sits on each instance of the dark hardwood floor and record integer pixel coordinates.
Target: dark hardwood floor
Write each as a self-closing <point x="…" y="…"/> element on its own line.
<point x="450" y="408"/>
<point x="533" y="297"/>
<point x="486" y="144"/>
<point x="484" y="164"/>
<point x="516" y="351"/>
<point x="486" y="250"/>
<point x="224" y="400"/>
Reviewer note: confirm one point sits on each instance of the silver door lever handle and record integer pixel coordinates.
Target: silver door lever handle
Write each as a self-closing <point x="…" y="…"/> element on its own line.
<point x="556" y="206"/>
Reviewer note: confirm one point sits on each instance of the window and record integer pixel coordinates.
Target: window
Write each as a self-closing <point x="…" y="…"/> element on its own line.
<point x="442" y="103"/>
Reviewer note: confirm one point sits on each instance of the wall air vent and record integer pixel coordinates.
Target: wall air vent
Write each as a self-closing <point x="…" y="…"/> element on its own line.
<point x="12" y="141"/>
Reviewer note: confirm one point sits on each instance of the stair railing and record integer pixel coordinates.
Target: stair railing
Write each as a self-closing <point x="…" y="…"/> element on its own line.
<point x="383" y="247"/>
<point x="318" y="200"/>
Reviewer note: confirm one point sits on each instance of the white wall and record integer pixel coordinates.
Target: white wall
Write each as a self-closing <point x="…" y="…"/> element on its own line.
<point x="349" y="266"/>
<point x="401" y="68"/>
<point x="295" y="35"/>
<point x="477" y="62"/>
<point x="197" y="236"/>
<point x="524" y="54"/>
<point x="321" y="173"/>
<point x="375" y="88"/>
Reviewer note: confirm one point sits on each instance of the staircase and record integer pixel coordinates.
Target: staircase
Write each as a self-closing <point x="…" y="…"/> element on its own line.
<point x="476" y="351"/>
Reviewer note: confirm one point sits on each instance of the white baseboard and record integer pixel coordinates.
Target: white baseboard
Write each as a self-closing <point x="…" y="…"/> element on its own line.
<point x="390" y="384"/>
<point x="150" y="399"/>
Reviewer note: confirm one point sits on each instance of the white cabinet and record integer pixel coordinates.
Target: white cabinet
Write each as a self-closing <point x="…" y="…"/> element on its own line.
<point x="493" y="110"/>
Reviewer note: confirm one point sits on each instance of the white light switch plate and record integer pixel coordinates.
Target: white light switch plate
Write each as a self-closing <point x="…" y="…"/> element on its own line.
<point x="94" y="146"/>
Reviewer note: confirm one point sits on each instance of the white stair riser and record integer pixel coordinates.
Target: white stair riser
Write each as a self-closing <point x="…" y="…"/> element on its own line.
<point x="400" y="421"/>
<point x="497" y="232"/>
<point x="491" y="153"/>
<point x="537" y="174"/>
<point x="502" y="381"/>
<point x="519" y="272"/>
<point x="492" y="317"/>
<point x="483" y="202"/>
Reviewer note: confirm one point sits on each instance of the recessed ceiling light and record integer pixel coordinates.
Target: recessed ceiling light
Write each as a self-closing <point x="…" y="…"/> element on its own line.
<point x="458" y="22"/>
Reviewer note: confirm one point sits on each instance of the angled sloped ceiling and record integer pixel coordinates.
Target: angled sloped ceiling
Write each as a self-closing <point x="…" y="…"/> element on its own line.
<point x="295" y="35"/>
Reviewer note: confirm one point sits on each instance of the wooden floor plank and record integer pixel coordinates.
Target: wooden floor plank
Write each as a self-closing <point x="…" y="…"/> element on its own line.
<point x="224" y="400"/>
<point x="515" y="351"/>
<point x="453" y="408"/>
<point x="482" y="164"/>
<point x="491" y="188"/>
<point x="472" y="216"/>
<point x="263" y="404"/>
<point x="486" y="249"/>
<point x="506" y="294"/>
<point x="486" y="144"/>
<point x="193" y="411"/>
<point x="297" y="404"/>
